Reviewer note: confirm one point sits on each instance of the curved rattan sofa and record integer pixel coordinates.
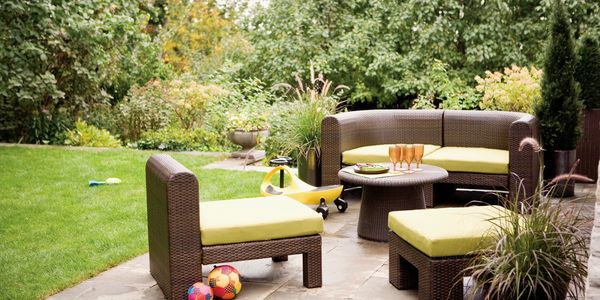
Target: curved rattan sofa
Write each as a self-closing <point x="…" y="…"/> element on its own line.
<point x="447" y="128"/>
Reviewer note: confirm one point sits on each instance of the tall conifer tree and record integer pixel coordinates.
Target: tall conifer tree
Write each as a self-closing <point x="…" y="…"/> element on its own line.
<point x="559" y="111"/>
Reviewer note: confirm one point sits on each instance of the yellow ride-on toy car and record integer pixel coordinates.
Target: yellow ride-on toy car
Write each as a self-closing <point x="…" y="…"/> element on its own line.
<point x="304" y="192"/>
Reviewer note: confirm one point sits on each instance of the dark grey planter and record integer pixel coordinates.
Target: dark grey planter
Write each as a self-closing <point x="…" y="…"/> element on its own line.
<point x="588" y="148"/>
<point x="309" y="168"/>
<point x="557" y="162"/>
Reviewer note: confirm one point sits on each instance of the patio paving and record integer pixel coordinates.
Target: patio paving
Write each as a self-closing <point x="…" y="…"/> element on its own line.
<point x="353" y="268"/>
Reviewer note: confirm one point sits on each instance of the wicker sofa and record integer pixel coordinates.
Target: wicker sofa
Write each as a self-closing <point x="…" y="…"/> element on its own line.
<point x="471" y="134"/>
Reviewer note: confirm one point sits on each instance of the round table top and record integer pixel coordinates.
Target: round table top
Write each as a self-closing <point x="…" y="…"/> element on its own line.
<point x="430" y="174"/>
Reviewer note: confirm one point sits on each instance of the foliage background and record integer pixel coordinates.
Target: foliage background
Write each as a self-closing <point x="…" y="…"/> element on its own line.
<point x="63" y="60"/>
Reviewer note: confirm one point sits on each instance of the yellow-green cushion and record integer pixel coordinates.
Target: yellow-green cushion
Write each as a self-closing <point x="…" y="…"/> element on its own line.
<point x="374" y="154"/>
<point x="442" y="232"/>
<point x="467" y="159"/>
<point x="256" y="219"/>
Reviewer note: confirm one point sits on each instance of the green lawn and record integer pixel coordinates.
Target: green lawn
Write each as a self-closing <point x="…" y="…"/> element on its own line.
<point x="56" y="231"/>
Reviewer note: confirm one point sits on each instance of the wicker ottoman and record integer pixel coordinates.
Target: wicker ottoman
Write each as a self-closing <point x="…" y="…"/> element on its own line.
<point x="429" y="247"/>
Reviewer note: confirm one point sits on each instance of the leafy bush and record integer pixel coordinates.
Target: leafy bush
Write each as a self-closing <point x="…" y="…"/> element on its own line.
<point x="587" y="72"/>
<point x="161" y="102"/>
<point x="143" y="110"/>
<point x="91" y="136"/>
<point x="190" y="100"/>
<point x="176" y="139"/>
<point x="247" y="106"/>
<point x="56" y="58"/>
<point x="516" y="89"/>
<point x="442" y="90"/>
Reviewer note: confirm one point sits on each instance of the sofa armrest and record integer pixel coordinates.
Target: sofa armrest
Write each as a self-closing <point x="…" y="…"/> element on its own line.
<point x="524" y="166"/>
<point x="173" y="225"/>
<point x="336" y="137"/>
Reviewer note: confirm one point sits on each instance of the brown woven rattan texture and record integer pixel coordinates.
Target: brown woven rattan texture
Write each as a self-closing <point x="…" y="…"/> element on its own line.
<point x="385" y="194"/>
<point x="435" y="278"/>
<point x="176" y="252"/>
<point x="500" y="130"/>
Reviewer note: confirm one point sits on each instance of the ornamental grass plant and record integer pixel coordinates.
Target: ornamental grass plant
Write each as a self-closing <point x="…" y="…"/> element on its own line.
<point x="539" y="248"/>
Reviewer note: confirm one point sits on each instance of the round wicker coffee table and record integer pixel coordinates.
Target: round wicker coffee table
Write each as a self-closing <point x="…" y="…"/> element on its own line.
<point x="384" y="194"/>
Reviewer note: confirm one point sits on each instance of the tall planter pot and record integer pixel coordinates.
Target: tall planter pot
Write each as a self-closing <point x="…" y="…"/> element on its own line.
<point x="309" y="168"/>
<point x="557" y="162"/>
<point x="588" y="148"/>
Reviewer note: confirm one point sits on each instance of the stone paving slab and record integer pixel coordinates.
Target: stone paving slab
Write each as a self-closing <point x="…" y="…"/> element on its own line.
<point x="353" y="268"/>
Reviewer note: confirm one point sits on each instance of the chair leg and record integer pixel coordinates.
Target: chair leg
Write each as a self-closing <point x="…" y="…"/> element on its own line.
<point x="311" y="268"/>
<point x="280" y="258"/>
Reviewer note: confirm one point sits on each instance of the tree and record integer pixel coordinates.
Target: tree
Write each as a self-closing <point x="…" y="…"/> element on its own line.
<point x="193" y="30"/>
<point x="57" y="60"/>
<point x="559" y="111"/>
<point x="384" y="49"/>
<point x="588" y="72"/>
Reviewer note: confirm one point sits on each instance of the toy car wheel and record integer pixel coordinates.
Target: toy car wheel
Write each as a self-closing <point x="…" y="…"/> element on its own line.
<point x="341" y="204"/>
<point x="323" y="209"/>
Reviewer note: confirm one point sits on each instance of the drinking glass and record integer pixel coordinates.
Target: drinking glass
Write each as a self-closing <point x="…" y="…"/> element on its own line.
<point x="409" y="154"/>
<point x="419" y="149"/>
<point x="393" y="157"/>
<point x="401" y="157"/>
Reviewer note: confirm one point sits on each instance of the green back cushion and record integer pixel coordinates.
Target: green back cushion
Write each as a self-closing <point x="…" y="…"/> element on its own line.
<point x="256" y="219"/>
<point x="467" y="159"/>
<point x="440" y="232"/>
<point x="374" y="154"/>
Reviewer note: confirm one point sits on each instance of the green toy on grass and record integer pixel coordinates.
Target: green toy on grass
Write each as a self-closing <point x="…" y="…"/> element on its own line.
<point x="109" y="181"/>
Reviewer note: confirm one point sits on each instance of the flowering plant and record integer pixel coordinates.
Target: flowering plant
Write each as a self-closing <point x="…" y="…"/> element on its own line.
<point x="515" y="89"/>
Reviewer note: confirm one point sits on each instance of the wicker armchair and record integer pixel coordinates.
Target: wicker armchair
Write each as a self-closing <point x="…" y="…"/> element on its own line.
<point x="176" y="251"/>
<point x="447" y="128"/>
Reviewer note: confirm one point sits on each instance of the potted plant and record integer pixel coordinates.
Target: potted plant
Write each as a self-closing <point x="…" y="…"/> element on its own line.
<point x="316" y="100"/>
<point x="535" y="256"/>
<point x="588" y="75"/>
<point x="247" y="129"/>
<point x="559" y="112"/>
<point x="538" y="249"/>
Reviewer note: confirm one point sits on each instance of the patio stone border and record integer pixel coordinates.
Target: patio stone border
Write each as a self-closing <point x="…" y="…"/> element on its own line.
<point x="592" y="288"/>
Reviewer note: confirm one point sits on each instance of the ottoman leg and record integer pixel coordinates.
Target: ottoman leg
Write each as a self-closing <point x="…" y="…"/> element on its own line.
<point x="446" y="279"/>
<point x="402" y="274"/>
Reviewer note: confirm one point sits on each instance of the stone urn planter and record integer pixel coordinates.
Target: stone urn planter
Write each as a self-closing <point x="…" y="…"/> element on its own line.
<point x="248" y="140"/>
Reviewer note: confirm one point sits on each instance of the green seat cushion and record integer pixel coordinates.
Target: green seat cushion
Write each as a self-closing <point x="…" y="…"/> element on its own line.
<point x="256" y="219"/>
<point x="375" y="154"/>
<point x="469" y="159"/>
<point x="440" y="232"/>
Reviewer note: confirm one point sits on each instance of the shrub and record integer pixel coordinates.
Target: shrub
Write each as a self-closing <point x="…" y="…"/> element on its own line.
<point x="587" y="72"/>
<point x="56" y="58"/>
<point x="559" y="111"/>
<point x="189" y="100"/>
<point x="246" y="106"/>
<point x="515" y="89"/>
<point x="143" y="110"/>
<point x="91" y="136"/>
<point x="444" y="91"/>
<point x="176" y="139"/>
<point x="160" y="103"/>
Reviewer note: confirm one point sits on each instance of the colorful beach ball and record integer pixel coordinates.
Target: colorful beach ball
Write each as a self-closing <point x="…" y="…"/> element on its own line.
<point x="200" y="291"/>
<point x="225" y="282"/>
